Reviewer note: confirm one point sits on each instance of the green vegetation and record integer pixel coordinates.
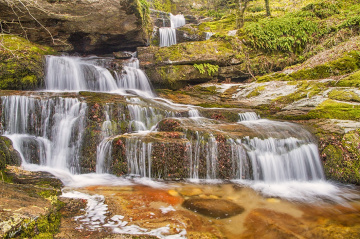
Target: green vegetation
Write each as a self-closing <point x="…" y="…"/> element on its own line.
<point x="343" y="95"/>
<point x="286" y="34"/>
<point x="256" y="91"/>
<point x="350" y="81"/>
<point x="206" y="67"/>
<point x="21" y="63"/>
<point x="331" y="109"/>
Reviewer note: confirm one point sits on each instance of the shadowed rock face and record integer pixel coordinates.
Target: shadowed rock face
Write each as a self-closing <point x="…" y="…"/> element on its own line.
<point x="83" y="26"/>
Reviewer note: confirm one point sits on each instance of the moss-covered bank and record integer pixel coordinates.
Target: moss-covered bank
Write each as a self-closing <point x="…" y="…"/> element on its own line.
<point x="21" y="63"/>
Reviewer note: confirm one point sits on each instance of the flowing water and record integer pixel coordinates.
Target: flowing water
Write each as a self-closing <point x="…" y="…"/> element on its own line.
<point x="130" y="135"/>
<point x="168" y="34"/>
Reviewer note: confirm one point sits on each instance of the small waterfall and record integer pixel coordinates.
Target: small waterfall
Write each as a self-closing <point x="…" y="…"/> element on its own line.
<point x="279" y="160"/>
<point x="177" y="20"/>
<point x="208" y="35"/>
<point x="193" y="113"/>
<point x="240" y="161"/>
<point x="66" y="73"/>
<point x="51" y="127"/>
<point x="168" y="34"/>
<point x="194" y="150"/>
<point x="138" y="154"/>
<point x="134" y="79"/>
<point x="103" y="150"/>
<point x="211" y="158"/>
<point x="248" y="116"/>
<point x="143" y="118"/>
<point x="103" y="156"/>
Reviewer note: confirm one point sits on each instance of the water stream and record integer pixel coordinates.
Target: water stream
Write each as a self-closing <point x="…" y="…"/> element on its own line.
<point x="168" y="34"/>
<point x="278" y="159"/>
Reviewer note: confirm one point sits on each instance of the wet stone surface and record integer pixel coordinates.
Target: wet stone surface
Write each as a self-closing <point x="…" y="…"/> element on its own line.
<point x="216" y="208"/>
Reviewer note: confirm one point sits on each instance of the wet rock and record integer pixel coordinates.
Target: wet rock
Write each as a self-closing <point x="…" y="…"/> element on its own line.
<point x="122" y="55"/>
<point x="8" y="155"/>
<point x="29" y="204"/>
<point x="78" y="26"/>
<point x="189" y="192"/>
<point x="216" y="208"/>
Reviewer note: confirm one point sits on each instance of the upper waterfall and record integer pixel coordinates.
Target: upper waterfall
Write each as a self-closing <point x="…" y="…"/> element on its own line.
<point x="168" y="34"/>
<point x="65" y="73"/>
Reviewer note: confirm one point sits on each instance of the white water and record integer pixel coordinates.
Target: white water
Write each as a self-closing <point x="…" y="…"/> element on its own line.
<point x="168" y="34"/>
<point x="177" y="20"/>
<point x="64" y="73"/>
<point x="247" y="116"/>
<point x="48" y="131"/>
<point x="208" y="35"/>
<point x="53" y="127"/>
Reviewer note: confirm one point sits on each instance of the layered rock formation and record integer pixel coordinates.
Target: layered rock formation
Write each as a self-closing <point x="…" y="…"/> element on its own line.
<point x="81" y="26"/>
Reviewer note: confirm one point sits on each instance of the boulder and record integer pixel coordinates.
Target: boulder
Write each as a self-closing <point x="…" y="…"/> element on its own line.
<point x="216" y="208"/>
<point x="85" y="26"/>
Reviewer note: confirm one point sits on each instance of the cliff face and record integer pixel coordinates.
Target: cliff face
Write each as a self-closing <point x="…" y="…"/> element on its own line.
<point x="85" y="26"/>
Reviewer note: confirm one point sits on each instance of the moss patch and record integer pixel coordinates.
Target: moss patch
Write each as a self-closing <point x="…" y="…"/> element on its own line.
<point x="21" y="63"/>
<point x="350" y="81"/>
<point x="331" y="109"/>
<point x="344" y="95"/>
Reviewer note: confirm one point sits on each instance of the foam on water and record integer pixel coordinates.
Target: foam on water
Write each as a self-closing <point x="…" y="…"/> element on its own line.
<point x="307" y="192"/>
<point x="95" y="218"/>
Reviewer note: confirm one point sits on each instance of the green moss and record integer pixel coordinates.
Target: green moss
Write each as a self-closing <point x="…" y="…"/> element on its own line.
<point x="339" y="169"/>
<point x="256" y="91"/>
<point x="348" y="63"/>
<point x="214" y="52"/>
<point x="344" y="95"/>
<point x="323" y="9"/>
<point x="215" y="105"/>
<point x="21" y="63"/>
<point x="350" y="81"/>
<point x="4" y="177"/>
<point x="304" y="89"/>
<point x="351" y="141"/>
<point x="331" y="109"/>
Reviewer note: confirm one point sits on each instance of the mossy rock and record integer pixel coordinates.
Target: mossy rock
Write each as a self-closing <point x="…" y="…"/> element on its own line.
<point x="350" y="81"/>
<point x="339" y="169"/>
<point x="344" y="95"/>
<point x="8" y="155"/>
<point x="331" y="109"/>
<point x="21" y="63"/>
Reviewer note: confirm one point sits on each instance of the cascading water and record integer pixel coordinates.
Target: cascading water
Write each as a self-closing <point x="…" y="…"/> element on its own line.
<point x="208" y="35"/>
<point x="65" y="73"/>
<point x="134" y="79"/>
<point x="168" y="34"/>
<point x="177" y="21"/>
<point x="48" y="130"/>
<point x="52" y="127"/>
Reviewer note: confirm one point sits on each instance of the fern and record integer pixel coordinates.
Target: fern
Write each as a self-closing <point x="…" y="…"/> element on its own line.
<point x="206" y="67"/>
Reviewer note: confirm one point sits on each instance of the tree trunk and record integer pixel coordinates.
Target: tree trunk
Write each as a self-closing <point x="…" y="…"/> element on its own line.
<point x="267" y="6"/>
<point x="242" y="5"/>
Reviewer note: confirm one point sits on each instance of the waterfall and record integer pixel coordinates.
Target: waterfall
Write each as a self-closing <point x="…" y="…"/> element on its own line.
<point x="64" y="73"/>
<point x="168" y="34"/>
<point x="177" y="20"/>
<point x="208" y="35"/>
<point x="52" y="127"/>
<point x="138" y="154"/>
<point x="279" y="160"/>
<point x="248" y="116"/>
<point x="134" y="79"/>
